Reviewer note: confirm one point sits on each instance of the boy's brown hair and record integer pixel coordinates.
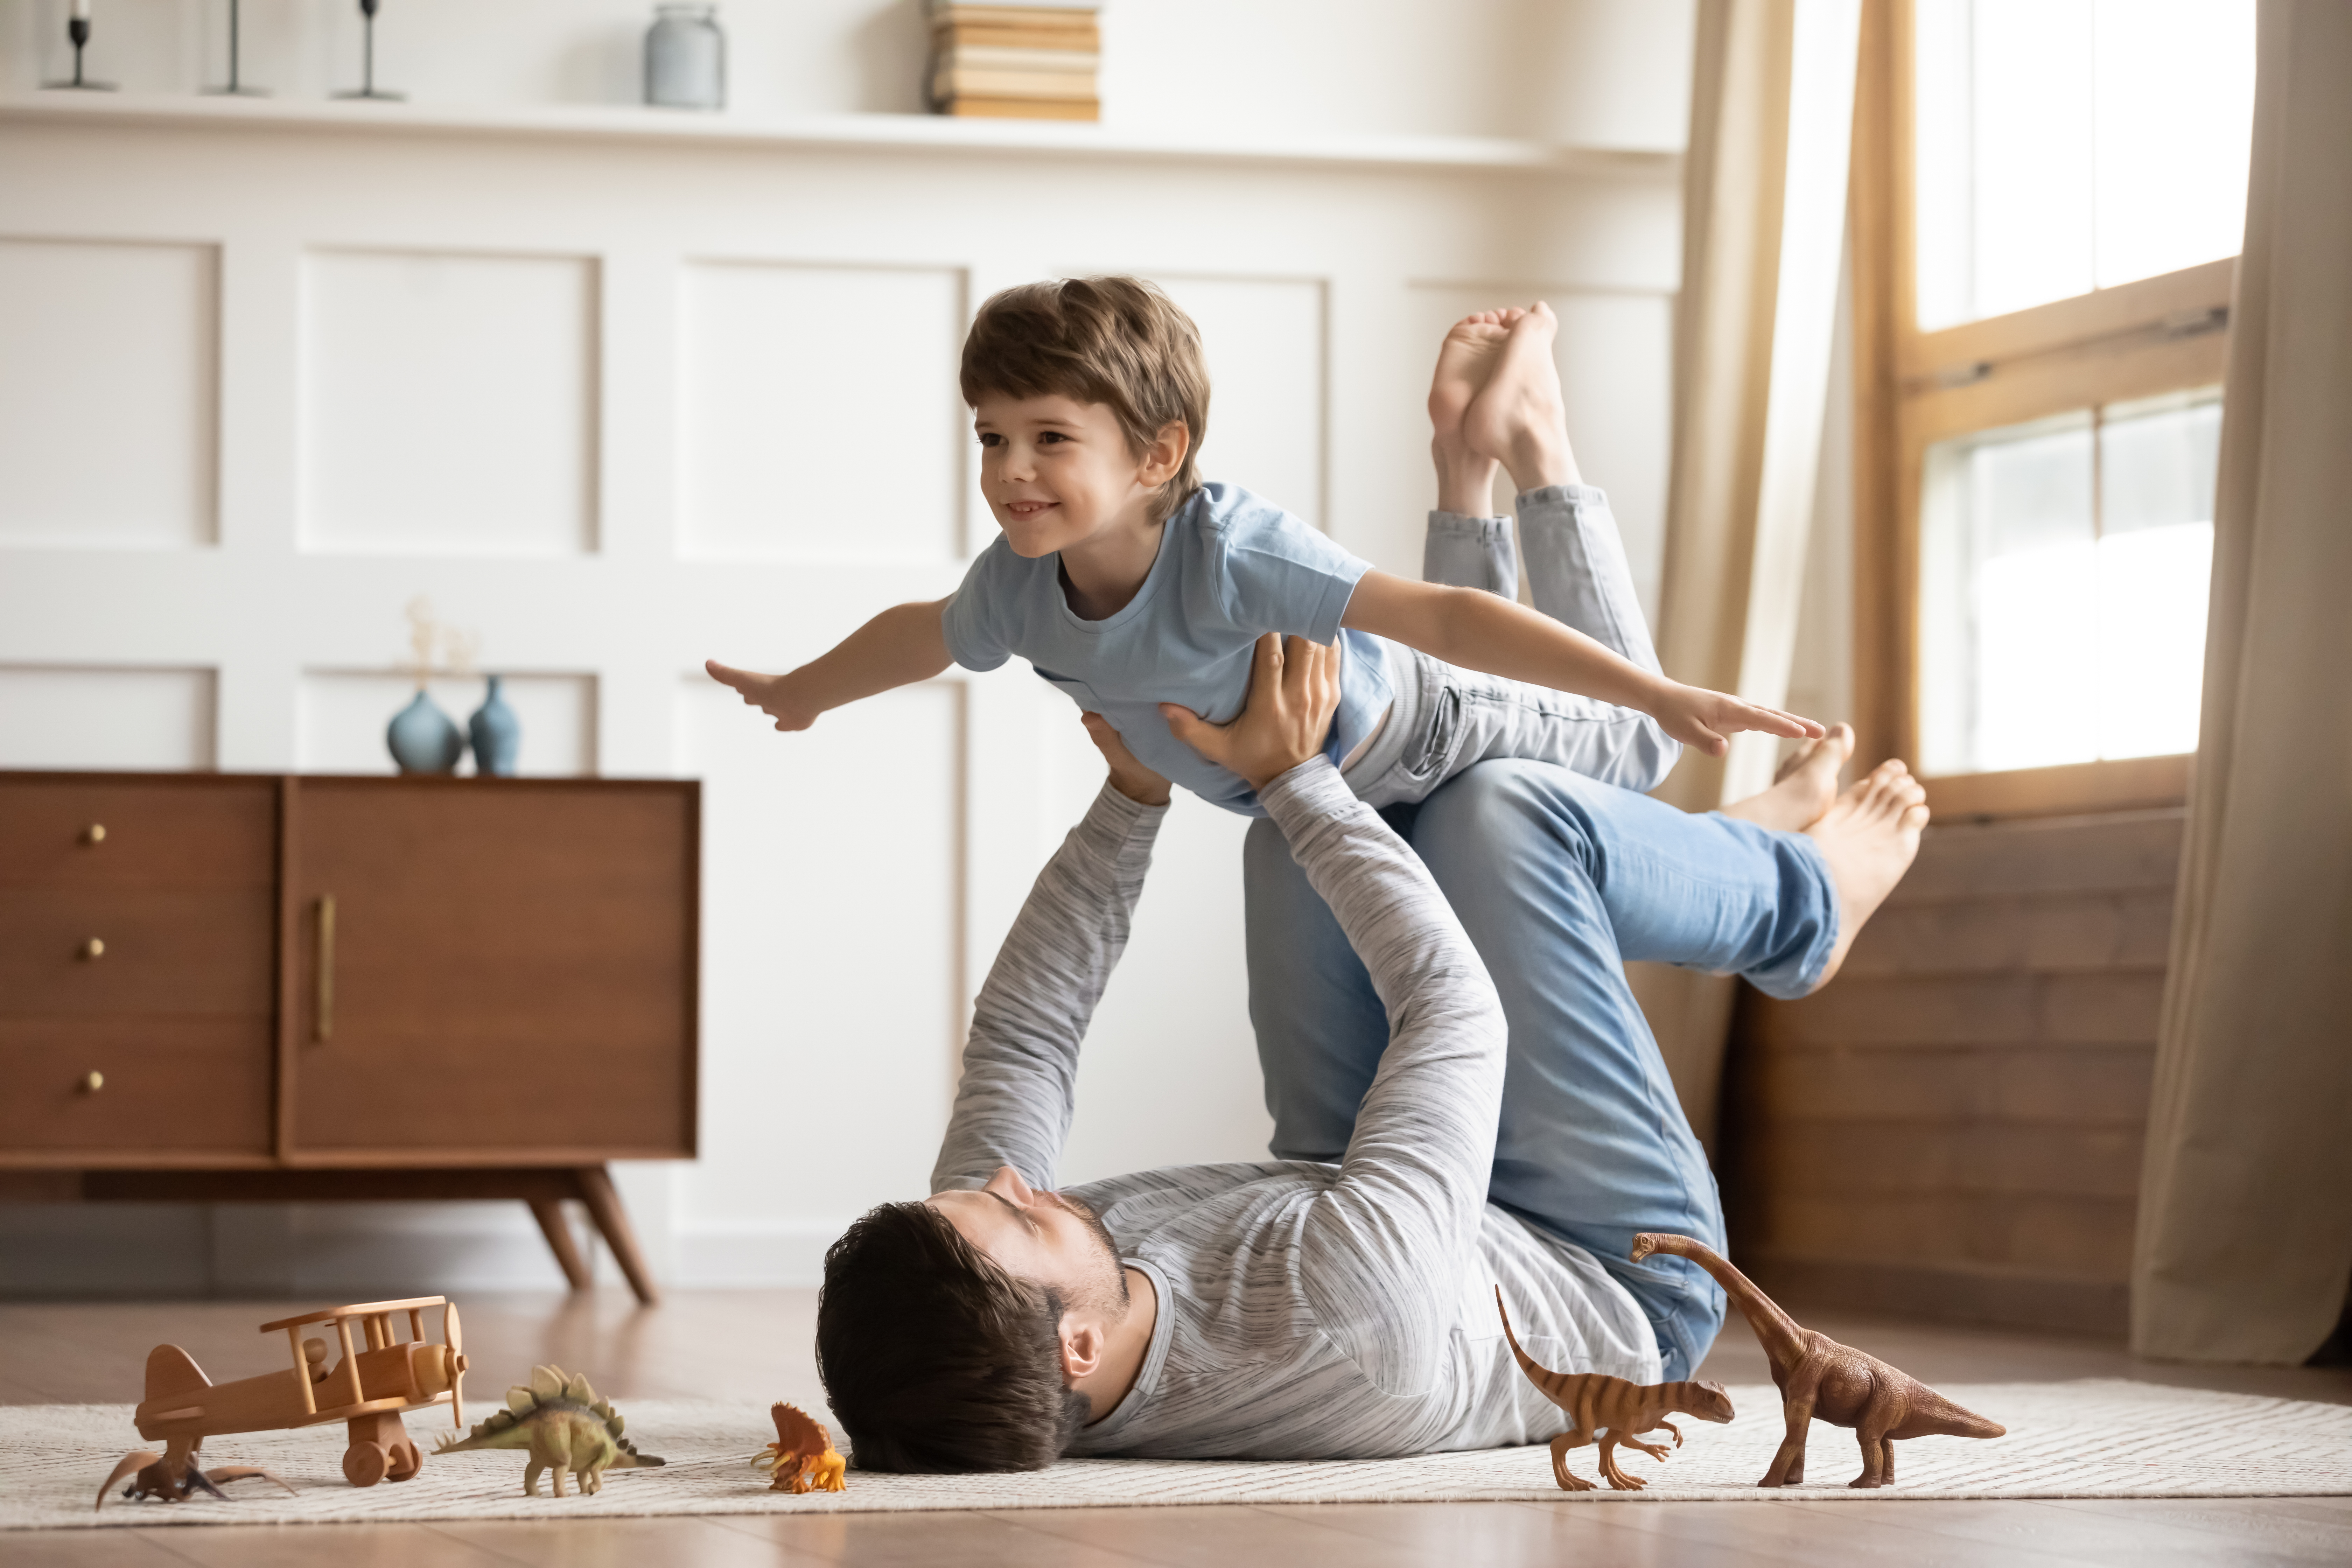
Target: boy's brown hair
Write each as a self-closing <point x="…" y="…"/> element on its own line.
<point x="1118" y="341"/>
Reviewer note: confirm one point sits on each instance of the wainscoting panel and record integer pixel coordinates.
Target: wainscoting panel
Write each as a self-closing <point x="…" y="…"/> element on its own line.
<point x="818" y="415"/>
<point x="832" y="1001"/>
<point x="341" y="715"/>
<point x="449" y="403"/>
<point x="1263" y="341"/>
<point x="109" y="385"/>
<point x="97" y="717"/>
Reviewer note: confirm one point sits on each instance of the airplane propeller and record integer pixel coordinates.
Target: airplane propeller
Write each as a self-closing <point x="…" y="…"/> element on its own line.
<point x="455" y="1333"/>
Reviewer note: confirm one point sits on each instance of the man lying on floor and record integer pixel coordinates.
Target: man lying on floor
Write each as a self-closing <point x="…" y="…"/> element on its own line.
<point x="1305" y="1308"/>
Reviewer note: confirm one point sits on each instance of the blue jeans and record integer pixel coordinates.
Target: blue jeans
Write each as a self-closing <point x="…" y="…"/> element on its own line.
<point x="1557" y="878"/>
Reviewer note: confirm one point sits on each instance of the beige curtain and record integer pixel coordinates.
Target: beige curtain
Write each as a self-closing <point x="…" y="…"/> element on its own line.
<point x="2244" y="1245"/>
<point x="1764" y="223"/>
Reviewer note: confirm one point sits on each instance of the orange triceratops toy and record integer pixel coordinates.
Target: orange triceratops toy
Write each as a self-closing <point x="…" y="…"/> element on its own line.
<point x="803" y="1457"/>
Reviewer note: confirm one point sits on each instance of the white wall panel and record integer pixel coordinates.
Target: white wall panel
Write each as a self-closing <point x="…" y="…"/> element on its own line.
<point x="831" y="997"/>
<point x="819" y="416"/>
<point x="94" y="718"/>
<point x="109" y="378"/>
<point x="1263" y="341"/>
<point x="341" y="715"/>
<point x="449" y="403"/>
<point x="1615" y="353"/>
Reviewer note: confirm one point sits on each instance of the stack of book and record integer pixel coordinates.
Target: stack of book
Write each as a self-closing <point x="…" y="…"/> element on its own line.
<point x="1015" y="62"/>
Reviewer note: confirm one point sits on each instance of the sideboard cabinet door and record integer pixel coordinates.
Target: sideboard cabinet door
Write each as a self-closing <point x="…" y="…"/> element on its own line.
<point x="507" y="974"/>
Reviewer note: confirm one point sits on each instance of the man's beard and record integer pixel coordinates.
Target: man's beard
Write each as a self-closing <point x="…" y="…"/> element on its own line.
<point x="1108" y="1296"/>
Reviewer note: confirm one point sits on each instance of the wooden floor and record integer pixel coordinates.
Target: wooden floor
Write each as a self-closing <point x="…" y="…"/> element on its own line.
<point x="732" y="1344"/>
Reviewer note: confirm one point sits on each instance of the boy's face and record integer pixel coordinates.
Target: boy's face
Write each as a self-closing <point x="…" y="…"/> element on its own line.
<point x="1057" y="472"/>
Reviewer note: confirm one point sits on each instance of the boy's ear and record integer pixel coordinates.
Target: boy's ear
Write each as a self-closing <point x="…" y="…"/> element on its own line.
<point x="1165" y="456"/>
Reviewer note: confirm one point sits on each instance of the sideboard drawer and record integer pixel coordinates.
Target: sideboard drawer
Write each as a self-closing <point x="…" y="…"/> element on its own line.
<point x="165" y="1086"/>
<point x="157" y="951"/>
<point x="57" y="830"/>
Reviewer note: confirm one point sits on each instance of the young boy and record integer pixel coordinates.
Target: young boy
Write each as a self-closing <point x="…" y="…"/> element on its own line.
<point x="1141" y="591"/>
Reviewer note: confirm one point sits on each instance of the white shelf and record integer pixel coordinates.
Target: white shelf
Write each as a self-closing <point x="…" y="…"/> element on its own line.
<point x="913" y="132"/>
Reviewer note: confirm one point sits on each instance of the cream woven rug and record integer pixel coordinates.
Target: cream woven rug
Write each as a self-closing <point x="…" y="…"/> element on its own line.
<point x="2068" y="1439"/>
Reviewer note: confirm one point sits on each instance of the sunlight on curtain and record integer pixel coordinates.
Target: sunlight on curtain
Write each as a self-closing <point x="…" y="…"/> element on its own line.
<point x="2063" y="569"/>
<point x="2068" y="145"/>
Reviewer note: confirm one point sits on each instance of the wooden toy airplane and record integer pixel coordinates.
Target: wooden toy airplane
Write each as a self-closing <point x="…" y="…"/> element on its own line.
<point x="366" y="1389"/>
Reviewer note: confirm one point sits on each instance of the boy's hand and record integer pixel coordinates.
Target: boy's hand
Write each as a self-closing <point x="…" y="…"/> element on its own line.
<point x="777" y="696"/>
<point x="1127" y="777"/>
<point x="1700" y="718"/>
<point x="1294" y="691"/>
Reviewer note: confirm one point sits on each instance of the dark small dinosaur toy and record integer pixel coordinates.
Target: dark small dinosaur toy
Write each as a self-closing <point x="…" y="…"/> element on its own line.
<point x="1614" y="1411"/>
<point x="1819" y="1379"/>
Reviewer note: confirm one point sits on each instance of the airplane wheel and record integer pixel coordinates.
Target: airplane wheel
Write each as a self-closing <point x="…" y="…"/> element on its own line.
<point x="364" y="1463"/>
<point x="405" y="1462"/>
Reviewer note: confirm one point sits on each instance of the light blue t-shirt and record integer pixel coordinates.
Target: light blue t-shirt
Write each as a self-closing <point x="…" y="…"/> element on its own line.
<point x="1231" y="566"/>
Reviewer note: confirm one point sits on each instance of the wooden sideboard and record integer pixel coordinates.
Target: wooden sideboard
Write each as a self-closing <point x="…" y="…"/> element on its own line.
<point x="221" y="987"/>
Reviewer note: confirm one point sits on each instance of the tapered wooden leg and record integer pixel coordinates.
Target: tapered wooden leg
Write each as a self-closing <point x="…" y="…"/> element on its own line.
<point x="604" y="1208"/>
<point x="550" y="1215"/>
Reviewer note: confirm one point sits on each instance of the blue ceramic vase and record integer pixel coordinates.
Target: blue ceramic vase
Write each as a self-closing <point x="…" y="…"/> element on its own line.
<point x="497" y="735"/>
<point x="422" y="739"/>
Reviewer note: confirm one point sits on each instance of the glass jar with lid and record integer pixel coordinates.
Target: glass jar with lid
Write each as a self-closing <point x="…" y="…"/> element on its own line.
<point x="686" y="59"/>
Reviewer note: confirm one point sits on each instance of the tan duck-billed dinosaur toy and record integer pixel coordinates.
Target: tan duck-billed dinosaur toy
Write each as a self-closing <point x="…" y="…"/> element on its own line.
<point x="1819" y="1379"/>
<point x="1613" y="1411"/>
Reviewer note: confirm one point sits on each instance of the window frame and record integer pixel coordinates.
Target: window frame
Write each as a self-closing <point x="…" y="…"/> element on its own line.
<point x="1912" y="388"/>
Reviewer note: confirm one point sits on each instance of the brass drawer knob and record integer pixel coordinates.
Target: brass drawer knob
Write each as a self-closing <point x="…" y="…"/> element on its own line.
<point x="92" y="1082"/>
<point x="93" y="949"/>
<point x="94" y="834"/>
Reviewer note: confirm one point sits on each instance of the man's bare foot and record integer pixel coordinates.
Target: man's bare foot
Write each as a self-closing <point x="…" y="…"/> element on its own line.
<point x="1519" y="418"/>
<point x="1868" y="835"/>
<point x="1803" y="788"/>
<point x="1465" y="481"/>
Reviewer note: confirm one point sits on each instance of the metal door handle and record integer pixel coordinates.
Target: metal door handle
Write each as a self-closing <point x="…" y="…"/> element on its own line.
<point x="322" y="1027"/>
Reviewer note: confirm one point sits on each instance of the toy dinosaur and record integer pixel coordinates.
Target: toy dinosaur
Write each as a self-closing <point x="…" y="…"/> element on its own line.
<point x="172" y="1476"/>
<point x="559" y="1422"/>
<point x="1819" y="1379"/>
<point x="1614" y="1411"/>
<point x="803" y="1457"/>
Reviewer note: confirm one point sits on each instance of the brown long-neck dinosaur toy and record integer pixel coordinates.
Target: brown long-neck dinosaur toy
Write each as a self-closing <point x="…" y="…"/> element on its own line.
<point x="1613" y="1410"/>
<point x="1821" y="1379"/>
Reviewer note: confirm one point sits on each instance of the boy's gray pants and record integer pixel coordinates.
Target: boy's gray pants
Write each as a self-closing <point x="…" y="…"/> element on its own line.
<point x="1446" y="719"/>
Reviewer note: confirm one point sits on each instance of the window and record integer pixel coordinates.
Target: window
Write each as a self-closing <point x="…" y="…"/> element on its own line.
<point x="2048" y="198"/>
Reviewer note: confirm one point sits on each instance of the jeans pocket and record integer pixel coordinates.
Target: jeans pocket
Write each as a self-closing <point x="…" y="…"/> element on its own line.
<point x="1432" y="752"/>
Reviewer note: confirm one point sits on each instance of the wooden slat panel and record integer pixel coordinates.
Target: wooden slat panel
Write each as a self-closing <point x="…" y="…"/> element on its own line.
<point x="2046" y="855"/>
<point x="2129" y="930"/>
<point x="1956" y="1292"/>
<point x="2076" y="1237"/>
<point x="2070" y="789"/>
<point x="1809" y="1159"/>
<point x="2113" y="1007"/>
<point x="2077" y="1086"/>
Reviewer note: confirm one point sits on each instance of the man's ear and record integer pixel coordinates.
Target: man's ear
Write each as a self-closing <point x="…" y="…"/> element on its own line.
<point x="1083" y="1346"/>
<point x="1165" y="456"/>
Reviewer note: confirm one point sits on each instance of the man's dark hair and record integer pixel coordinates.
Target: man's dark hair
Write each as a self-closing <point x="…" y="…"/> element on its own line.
<point x="935" y="1359"/>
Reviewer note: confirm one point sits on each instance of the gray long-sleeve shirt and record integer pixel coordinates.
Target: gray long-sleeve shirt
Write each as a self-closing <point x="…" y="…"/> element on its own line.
<point x="1304" y="1310"/>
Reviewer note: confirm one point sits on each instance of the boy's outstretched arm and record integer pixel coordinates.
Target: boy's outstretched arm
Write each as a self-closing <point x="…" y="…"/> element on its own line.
<point x="1478" y="630"/>
<point x="904" y="644"/>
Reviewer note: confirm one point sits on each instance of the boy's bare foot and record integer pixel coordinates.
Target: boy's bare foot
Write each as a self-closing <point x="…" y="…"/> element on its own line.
<point x="1803" y="788"/>
<point x="1465" y="479"/>
<point x="1868" y="835"/>
<point x="1519" y="418"/>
